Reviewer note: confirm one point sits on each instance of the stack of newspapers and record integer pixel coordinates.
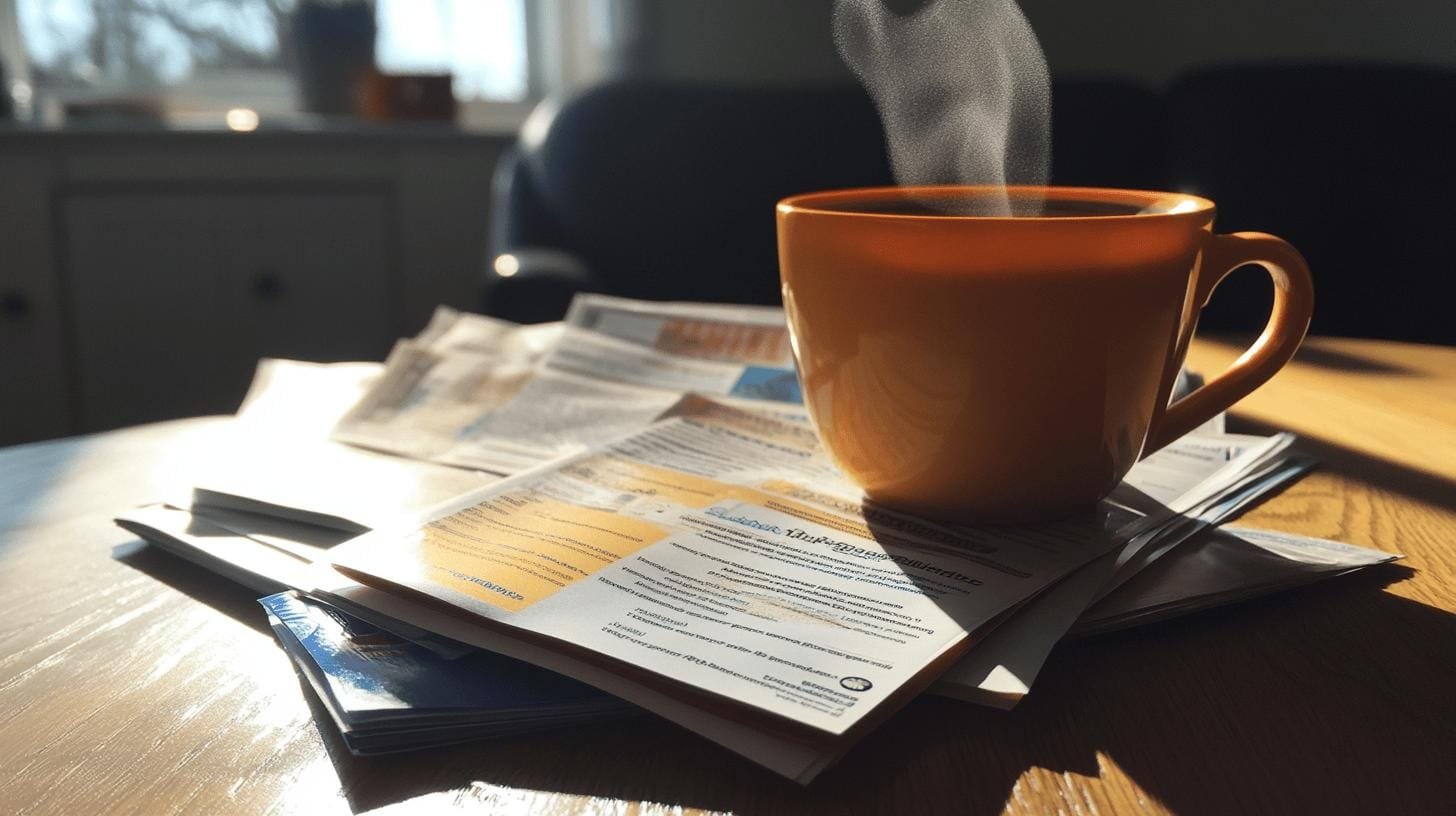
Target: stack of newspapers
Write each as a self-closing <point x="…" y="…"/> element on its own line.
<point x="512" y="527"/>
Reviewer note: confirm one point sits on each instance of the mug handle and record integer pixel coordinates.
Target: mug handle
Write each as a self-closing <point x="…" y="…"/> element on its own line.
<point x="1288" y="322"/>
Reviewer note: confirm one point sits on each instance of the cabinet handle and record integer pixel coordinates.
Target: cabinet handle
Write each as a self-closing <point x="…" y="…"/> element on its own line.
<point x="14" y="305"/>
<point x="268" y="286"/>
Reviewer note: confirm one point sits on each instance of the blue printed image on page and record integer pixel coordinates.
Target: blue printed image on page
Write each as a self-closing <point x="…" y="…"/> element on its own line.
<point x="374" y="675"/>
<point x="766" y="383"/>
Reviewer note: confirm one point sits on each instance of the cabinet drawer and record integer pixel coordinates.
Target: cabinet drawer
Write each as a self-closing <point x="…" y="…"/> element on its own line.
<point x="176" y="296"/>
<point x="34" y="376"/>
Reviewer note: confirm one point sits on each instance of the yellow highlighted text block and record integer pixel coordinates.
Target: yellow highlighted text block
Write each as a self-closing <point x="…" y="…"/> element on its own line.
<point x="513" y="550"/>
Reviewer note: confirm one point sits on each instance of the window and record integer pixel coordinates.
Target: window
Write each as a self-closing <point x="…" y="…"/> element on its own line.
<point x="481" y="42"/>
<point x="210" y="55"/>
<point x="97" y="49"/>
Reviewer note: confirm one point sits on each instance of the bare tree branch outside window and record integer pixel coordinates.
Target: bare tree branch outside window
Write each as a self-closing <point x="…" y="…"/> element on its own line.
<point x="128" y="46"/>
<point x="152" y="42"/>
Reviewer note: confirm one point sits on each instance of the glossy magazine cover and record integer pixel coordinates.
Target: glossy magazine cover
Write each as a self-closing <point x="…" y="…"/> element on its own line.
<point x="385" y="693"/>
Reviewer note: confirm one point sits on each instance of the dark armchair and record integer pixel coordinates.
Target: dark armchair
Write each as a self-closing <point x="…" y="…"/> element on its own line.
<point x="1354" y="164"/>
<point x="667" y="191"/>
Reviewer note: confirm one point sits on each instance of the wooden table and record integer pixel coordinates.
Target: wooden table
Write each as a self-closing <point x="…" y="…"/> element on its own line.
<point x="131" y="681"/>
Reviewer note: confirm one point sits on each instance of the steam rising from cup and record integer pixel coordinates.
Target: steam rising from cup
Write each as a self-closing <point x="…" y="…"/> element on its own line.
<point x="961" y="86"/>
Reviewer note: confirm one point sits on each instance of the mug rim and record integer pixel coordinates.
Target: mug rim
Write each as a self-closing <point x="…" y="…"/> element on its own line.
<point x="1180" y="205"/>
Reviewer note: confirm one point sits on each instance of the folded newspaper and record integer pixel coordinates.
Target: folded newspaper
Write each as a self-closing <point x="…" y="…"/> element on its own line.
<point x="712" y="555"/>
<point x="276" y="458"/>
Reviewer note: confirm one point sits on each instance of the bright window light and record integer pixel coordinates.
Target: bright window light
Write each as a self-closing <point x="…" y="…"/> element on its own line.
<point x="481" y="42"/>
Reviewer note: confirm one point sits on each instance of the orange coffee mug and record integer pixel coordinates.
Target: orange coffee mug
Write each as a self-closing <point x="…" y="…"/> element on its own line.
<point x="1002" y="369"/>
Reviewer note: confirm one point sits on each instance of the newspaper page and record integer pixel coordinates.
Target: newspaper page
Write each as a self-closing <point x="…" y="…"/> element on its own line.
<point x="1223" y="566"/>
<point x="1210" y="477"/>
<point x="439" y="383"/>
<point x="478" y="393"/>
<point x="793" y="758"/>
<point x="268" y="555"/>
<point x="720" y="552"/>
<point x="275" y="457"/>
<point x="621" y="363"/>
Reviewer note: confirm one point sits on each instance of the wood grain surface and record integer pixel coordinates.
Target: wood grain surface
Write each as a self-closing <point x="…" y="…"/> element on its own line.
<point x="133" y="682"/>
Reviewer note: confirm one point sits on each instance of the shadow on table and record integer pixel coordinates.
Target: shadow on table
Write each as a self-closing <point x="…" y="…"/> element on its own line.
<point x="228" y="597"/>
<point x="1345" y="361"/>
<point x="1380" y="474"/>
<point x="1316" y="353"/>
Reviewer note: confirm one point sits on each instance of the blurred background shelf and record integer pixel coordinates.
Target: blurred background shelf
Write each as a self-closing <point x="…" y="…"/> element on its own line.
<point x="146" y="271"/>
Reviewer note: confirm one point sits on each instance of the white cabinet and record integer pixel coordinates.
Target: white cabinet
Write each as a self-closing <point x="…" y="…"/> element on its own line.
<point x="142" y="275"/>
